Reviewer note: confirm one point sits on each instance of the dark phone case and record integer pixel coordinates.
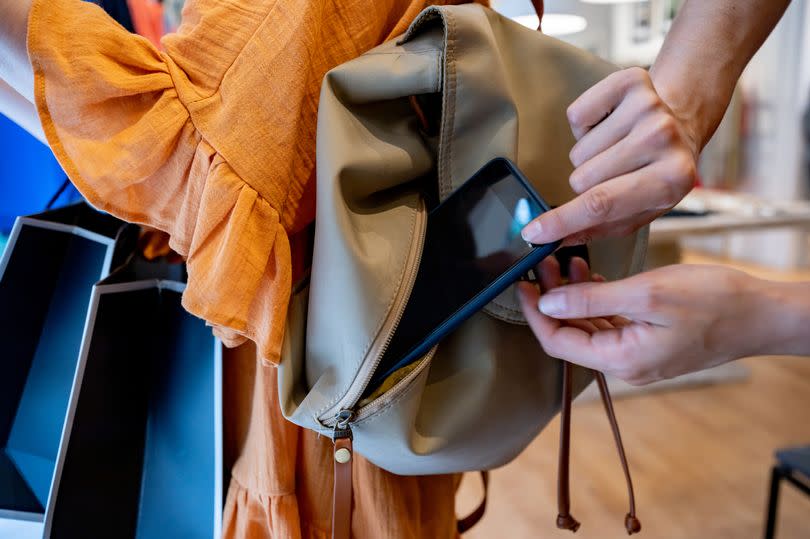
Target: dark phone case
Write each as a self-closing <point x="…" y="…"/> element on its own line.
<point x="480" y="300"/>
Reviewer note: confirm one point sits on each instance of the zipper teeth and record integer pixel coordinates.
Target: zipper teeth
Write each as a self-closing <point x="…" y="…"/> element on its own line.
<point x="352" y="397"/>
<point x="369" y="408"/>
<point x="410" y="281"/>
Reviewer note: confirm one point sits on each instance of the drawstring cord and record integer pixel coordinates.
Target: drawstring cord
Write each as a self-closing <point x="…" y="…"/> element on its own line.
<point x="539" y="8"/>
<point x="631" y="523"/>
<point x="564" y="519"/>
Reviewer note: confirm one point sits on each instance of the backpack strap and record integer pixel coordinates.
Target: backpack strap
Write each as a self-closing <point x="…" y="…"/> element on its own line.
<point x="466" y="523"/>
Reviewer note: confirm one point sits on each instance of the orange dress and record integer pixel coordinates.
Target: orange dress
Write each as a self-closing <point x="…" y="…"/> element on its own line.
<point x="212" y="140"/>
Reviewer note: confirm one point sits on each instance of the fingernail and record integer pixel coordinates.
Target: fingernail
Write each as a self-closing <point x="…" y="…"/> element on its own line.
<point x="532" y="231"/>
<point x="552" y="304"/>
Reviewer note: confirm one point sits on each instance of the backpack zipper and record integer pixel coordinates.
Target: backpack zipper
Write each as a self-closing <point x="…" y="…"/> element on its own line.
<point x="341" y="423"/>
<point x="342" y="428"/>
<point x="332" y="416"/>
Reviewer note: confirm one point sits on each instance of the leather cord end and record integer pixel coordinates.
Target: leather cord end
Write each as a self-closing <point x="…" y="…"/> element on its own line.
<point x="567" y="522"/>
<point x="632" y="524"/>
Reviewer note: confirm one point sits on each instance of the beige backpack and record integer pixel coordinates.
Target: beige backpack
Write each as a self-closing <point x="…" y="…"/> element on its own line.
<point x="493" y="88"/>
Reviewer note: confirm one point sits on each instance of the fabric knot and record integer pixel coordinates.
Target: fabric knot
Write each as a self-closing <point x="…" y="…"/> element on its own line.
<point x="567" y="522"/>
<point x="632" y="524"/>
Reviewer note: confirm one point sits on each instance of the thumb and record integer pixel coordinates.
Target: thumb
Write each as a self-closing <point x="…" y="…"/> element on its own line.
<point x="626" y="297"/>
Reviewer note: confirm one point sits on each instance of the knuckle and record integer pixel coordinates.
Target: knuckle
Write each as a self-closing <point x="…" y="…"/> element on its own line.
<point x="631" y="371"/>
<point x="653" y="297"/>
<point x="677" y="180"/>
<point x="735" y="281"/>
<point x="575" y="155"/>
<point x="577" y="302"/>
<point x="623" y="370"/>
<point x="665" y="129"/>
<point x="551" y="348"/>
<point x="649" y="100"/>
<point x="586" y="300"/>
<point x="630" y="75"/>
<point x="627" y="230"/>
<point x="598" y="203"/>
<point x="578" y="180"/>
<point x="579" y="238"/>
<point x="554" y="222"/>
<point x="574" y="115"/>
<point x="637" y="76"/>
<point x="684" y="172"/>
<point x="583" y="238"/>
<point x="670" y="194"/>
<point x="637" y="379"/>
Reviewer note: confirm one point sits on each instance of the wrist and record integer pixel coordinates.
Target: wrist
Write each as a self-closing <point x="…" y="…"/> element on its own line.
<point x="780" y="322"/>
<point x="693" y="111"/>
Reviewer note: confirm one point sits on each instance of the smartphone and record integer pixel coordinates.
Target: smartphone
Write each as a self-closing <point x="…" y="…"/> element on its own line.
<point x="473" y="251"/>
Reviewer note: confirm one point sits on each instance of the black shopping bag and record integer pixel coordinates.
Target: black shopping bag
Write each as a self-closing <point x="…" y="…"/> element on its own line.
<point x="142" y="452"/>
<point x="47" y="273"/>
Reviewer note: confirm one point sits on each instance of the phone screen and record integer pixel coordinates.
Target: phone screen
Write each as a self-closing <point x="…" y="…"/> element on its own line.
<point x="472" y="239"/>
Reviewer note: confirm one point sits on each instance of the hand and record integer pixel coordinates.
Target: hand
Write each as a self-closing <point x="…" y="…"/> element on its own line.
<point x="634" y="161"/>
<point x="673" y="320"/>
<point x="578" y="272"/>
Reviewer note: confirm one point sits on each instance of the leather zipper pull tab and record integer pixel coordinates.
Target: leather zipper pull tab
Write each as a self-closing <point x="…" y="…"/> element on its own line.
<point x="631" y="523"/>
<point x="564" y="519"/>
<point x="342" y="493"/>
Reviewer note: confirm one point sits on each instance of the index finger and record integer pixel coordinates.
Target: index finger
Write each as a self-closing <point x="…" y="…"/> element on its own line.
<point x="627" y="197"/>
<point x="596" y="103"/>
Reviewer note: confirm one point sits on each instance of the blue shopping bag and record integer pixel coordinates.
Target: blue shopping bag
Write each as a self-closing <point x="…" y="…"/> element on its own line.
<point x="47" y="273"/>
<point x="142" y="452"/>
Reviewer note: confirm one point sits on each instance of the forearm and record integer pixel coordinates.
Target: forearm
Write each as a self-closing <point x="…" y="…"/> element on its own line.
<point x="15" y="68"/>
<point x="780" y="321"/>
<point x="20" y="111"/>
<point x="705" y="52"/>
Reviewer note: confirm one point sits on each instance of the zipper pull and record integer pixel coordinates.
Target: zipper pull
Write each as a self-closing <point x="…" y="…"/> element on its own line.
<point x="342" y="428"/>
<point x="342" y="493"/>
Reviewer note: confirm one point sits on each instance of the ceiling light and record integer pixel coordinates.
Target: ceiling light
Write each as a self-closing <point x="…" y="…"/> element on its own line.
<point x="555" y="24"/>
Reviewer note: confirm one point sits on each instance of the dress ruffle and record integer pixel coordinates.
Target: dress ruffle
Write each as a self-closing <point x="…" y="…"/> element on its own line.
<point x="113" y="115"/>
<point x="261" y="516"/>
